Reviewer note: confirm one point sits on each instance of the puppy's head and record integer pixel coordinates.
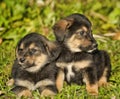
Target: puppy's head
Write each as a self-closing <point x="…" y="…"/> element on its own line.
<point x="34" y="51"/>
<point x="75" y="32"/>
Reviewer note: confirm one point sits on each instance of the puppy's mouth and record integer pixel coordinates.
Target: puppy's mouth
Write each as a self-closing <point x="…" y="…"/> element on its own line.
<point x="27" y="65"/>
<point x="88" y="49"/>
<point x="92" y="50"/>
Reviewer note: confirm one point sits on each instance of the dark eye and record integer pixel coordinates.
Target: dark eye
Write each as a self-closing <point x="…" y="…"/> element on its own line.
<point x="81" y="32"/>
<point x="20" y="50"/>
<point x="32" y="51"/>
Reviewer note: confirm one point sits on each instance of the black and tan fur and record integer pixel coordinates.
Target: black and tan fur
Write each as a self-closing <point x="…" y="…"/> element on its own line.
<point x="80" y="59"/>
<point x="34" y="67"/>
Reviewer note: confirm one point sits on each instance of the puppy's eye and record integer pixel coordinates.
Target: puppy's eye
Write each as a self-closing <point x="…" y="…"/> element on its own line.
<point x="82" y="32"/>
<point x="32" y="51"/>
<point x="20" y="50"/>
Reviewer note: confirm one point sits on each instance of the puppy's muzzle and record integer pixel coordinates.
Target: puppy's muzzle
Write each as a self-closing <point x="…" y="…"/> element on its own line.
<point x="22" y="60"/>
<point x="89" y="48"/>
<point x="93" y="48"/>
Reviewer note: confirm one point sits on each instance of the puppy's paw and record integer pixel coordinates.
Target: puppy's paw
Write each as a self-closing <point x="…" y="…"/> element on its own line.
<point x="47" y="92"/>
<point x="10" y="82"/>
<point x="21" y="91"/>
<point x="25" y="93"/>
<point x="92" y="89"/>
<point x="103" y="82"/>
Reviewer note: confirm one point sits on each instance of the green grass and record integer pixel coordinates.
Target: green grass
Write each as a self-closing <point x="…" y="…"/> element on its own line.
<point x="18" y="18"/>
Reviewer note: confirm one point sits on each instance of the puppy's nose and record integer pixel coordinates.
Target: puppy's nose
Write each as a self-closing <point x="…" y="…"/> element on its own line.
<point x="22" y="60"/>
<point x="95" y="45"/>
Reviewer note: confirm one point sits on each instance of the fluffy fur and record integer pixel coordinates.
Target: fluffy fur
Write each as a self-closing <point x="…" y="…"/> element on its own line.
<point x="80" y="59"/>
<point x="34" y="67"/>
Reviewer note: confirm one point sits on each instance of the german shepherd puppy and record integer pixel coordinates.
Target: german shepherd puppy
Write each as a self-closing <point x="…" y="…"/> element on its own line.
<point x="80" y="58"/>
<point x="34" y="67"/>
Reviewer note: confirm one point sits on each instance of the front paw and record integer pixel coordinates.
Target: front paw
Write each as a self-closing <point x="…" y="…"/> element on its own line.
<point x="103" y="82"/>
<point x="25" y="93"/>
<point x="10" y="82"/>
<point x="47" y="92"/>
<point x="21" y="91"/>
<point x="92" y="89"/>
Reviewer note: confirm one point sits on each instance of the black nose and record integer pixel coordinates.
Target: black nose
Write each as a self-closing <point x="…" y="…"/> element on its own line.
<point x="22" y="60"/>
<point x="95" y="45"/>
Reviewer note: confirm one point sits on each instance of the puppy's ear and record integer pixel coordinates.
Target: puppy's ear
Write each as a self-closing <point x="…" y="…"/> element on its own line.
<point x="53" y="50"/>
<point x="60" y="28"/>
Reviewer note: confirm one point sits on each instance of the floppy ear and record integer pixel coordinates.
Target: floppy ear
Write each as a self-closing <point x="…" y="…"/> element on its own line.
<point x="53" y="50"/>
<point x="60" y="28"/>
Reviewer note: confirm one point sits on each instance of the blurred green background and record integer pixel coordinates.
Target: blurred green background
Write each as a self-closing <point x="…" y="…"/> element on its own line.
<point x="20" y="17"/>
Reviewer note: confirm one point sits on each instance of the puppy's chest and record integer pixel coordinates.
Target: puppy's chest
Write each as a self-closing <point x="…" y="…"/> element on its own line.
<point x="36" y="80"/>
<point x="74" y="68"/>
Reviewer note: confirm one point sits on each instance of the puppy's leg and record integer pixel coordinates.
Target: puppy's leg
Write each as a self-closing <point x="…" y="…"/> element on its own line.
<point x="90" y="78"/>
<point x="21" y="91"/>
<point x="60" y="80"/>
<point x="103" y="80"/>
